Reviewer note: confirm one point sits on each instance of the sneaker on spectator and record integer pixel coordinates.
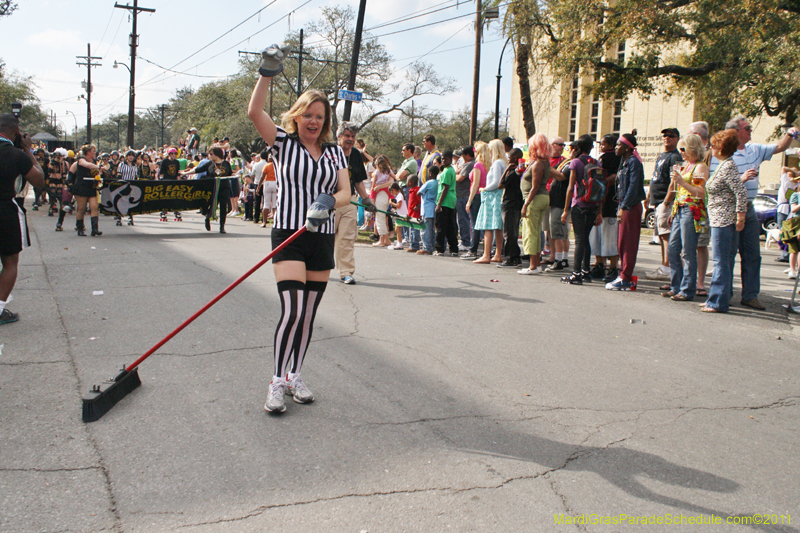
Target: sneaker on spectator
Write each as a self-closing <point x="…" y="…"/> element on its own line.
<point x="598" y="271"/>
<point x="348" y="280"/>
<point x="462" y="248"/>
<point x="469" y="255"/>
<point x="611" y="275"/>
<point x="275" y="402"/>
<point x="658" y="274"/>
<point x="558" y="265"/>
<point x="508" y="263"/>
<point x="530" y="271"/>
<point x="397" y="246"/>
<point x="438" y="254"/>
<point x="619" y="284"/>
<point x="7" y="317"/>
<point x="298" y="390"/>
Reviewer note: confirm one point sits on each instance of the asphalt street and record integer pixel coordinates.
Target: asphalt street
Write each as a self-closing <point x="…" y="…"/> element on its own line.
<point x="450" y="397"/>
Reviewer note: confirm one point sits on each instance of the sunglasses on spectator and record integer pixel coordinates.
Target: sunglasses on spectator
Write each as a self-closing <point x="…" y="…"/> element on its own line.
<point x="668" y="135"/>
<point x="559" y="144"/>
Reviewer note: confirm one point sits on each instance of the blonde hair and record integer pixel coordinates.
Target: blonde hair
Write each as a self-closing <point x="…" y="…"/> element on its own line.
<point x="482" y="153"/>
<point x="497" y="149"/>
<point x="692" y="143"/>
<point x="300" y="106"/>
<point x="86" y="148"/>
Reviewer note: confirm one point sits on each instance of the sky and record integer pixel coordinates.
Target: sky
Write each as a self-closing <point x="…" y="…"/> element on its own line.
<point x="49" y="34"/>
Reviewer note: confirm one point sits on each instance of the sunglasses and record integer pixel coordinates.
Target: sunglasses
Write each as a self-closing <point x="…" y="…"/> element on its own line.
<point x="670" y="135"/>
<point x="559" y="144"/>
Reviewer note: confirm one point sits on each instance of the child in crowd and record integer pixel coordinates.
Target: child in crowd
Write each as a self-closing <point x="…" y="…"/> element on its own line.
<point x="399" y="205"/>
<point x="446" y="224"/>
<point x="413" y="212"/>
<point x="381" y="177"/>
<point x="248" y="194"/>
<point x="428" y="193"/>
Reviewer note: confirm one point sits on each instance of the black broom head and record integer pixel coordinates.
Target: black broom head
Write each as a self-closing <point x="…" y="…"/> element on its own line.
<point x="103" y="397"/>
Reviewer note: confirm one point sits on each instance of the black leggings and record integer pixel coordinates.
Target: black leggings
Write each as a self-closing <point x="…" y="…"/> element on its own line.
<point x="583" y="219"/>
<point x="299" y="303"/>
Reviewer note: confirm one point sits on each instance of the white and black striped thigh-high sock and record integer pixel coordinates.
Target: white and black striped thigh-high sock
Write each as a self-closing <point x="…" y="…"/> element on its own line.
<point x="292" y="295"/>
<point x="313" y="296"/>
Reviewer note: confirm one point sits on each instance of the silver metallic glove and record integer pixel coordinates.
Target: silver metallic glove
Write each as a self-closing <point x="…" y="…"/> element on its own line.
<point x="320" y="211"/>
<point x="369" y="205"/>
<point x="272" y="60"/>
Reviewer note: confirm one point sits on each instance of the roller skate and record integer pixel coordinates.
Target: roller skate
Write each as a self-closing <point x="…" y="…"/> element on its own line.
<point x="163" y="216"/>
<point x="35" y="206"/>
<point x="119" y="221"/>
<point x="130" y="221"/>
<point x="178" y="217"/>
<point x="58" y="227"/>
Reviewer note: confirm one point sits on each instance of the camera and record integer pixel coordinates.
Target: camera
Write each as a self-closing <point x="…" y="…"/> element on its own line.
<point x="16" y="109"/>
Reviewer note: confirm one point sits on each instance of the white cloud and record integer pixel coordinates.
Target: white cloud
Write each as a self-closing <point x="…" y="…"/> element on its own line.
<point x="55" y="39"/>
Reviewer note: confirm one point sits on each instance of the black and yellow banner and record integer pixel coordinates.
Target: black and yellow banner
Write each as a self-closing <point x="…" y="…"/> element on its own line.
<point x="147" y="196"/>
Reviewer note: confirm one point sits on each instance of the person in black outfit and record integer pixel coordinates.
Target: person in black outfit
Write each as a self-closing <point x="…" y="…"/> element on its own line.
<point x="15" y="163"/>
<point x="511" y="208"/>
<point x="217" y="167"/>
<point x="85" y="189"/>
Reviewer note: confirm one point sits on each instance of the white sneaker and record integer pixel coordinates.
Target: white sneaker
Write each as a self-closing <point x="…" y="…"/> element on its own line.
<point x="299" y="391"/>
<point x="530" y="271"/>
<point x="793" y="274"/>
<point x="462" y="248"/>
<point x="788" y="271"/>
<point x="397" y="246"/>
<point x="275" y="402"/>
<point x="658" y="274"/>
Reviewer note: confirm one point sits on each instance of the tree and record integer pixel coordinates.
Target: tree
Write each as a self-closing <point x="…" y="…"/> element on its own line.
<point x="17" y="88"/>
<point x="741" y="55"/>
<point x="518" y="24"/>
<point x="7" y="7"/>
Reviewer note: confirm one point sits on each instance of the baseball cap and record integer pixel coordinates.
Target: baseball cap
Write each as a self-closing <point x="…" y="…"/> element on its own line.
<point x="671" y="131"/>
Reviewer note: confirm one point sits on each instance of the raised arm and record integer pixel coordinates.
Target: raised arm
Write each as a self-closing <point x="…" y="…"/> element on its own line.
<point x="255" y="110"/>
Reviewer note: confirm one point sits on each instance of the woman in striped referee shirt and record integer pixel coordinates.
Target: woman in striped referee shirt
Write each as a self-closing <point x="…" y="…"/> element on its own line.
<point x="312" y="177"/>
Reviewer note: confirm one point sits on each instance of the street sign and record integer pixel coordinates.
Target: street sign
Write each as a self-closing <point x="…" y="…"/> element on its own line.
<point x="352" y="96"/>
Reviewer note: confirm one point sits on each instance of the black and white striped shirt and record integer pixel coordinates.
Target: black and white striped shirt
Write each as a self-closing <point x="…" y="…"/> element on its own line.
<point x="301" y="179"/>
<point x="127" y="172"/>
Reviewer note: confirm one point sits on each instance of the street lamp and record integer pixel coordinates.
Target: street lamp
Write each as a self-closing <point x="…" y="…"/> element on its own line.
<point x="481" y="15"/>
<point x="497" y="100"/>
<point x="131" y="99"/>
<point x="76" y="129"/>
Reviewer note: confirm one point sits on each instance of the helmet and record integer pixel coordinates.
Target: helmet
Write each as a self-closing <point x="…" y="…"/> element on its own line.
<point x="104" y="154"/>
<point x="115" y="152"/>
<point x="172" y="151"/>
<point x="130" y="152"/>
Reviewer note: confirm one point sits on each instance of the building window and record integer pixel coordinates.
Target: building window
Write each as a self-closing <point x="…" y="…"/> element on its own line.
<point x="617" y="116"/>
<point x="595" y="117"/>
<point x="573" y="109"/>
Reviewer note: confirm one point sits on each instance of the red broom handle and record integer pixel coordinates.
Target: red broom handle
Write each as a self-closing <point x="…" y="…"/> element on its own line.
<point x="216" y="298"/>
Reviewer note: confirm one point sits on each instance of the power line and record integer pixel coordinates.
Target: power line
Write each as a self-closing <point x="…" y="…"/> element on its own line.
<point x="237" y="44"/>
<point x="184" y="73"/>
<point x="212" y="42"/>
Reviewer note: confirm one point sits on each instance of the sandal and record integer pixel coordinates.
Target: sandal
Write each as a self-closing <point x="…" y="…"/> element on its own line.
<point x="702" y="292"/>
<point x="665" y="287"/>
<point x="668" y="294"/>
<point x="680" y="298"/>
<point x="709" y="310"/>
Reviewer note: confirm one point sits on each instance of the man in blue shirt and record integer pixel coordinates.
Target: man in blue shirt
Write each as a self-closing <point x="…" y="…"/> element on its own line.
<point x="748" y="157"/>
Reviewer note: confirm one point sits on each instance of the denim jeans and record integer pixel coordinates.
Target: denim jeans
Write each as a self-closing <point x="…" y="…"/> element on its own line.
<point x="750" y="254"/>
<point x="474" y="207"/>
<point x="725" y="242"/>
<point x="413" y="238"/>
<point x="682" y="253"/>
<point x="429" y="235"/>
<point x="780" y="218"/>
<point x="464" y="228"/>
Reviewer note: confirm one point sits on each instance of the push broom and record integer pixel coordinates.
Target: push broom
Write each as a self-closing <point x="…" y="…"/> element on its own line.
<point x="400" y="220"/>
<point x="103" y="397"/>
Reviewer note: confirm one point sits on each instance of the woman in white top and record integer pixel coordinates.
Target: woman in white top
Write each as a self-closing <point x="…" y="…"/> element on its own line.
<point x="490" y="215"/>
<point x="313" y="179"/>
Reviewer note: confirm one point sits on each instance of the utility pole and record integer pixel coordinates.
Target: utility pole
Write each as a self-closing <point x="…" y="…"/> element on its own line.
<point x="300" y="66"/>
<point x="162" y="108"/>
<point x="89" y="64"/>
<point x="412" y="121"/>
<point x="476" y="75"/>
<point x="134" y="42"/>
<point x="351" y="82"/>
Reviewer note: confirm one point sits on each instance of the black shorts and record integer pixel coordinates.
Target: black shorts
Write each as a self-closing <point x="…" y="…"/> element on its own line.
<point x="14" y="228"/>
<point x="313" y="249"/>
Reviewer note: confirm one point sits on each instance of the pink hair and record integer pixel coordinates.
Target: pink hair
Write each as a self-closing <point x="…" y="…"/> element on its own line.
<point x="539" y="146"/>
